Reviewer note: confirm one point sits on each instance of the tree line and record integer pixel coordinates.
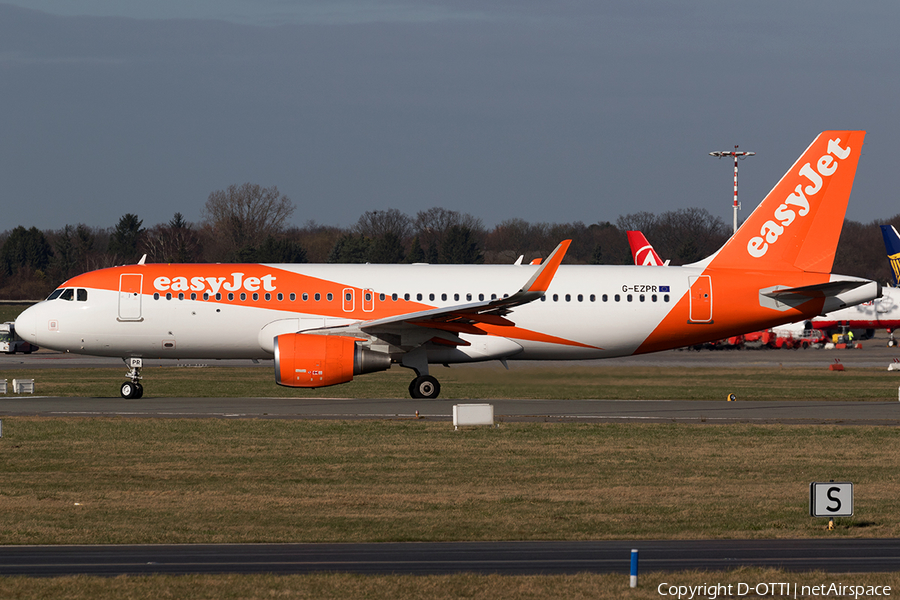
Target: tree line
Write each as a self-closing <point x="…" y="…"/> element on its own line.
<point x="246" y="223"/>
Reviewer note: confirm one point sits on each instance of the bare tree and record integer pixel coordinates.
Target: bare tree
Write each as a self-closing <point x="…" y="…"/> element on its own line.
<point x="244" y="216"/>
<point x="376" y="223"/>
<point x="174" y="242"/>
<point x="433" y="224"/>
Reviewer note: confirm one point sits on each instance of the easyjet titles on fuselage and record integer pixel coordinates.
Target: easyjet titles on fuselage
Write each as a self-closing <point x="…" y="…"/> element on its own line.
<point x="826" y="166"/>
<point x="214" y="284"/>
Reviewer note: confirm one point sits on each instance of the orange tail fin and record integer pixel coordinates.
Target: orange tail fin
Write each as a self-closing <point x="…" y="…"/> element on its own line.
<point x="797" y="225"/>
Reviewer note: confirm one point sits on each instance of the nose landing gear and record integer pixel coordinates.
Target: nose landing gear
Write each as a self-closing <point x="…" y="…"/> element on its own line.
<point x="132" y="390"/>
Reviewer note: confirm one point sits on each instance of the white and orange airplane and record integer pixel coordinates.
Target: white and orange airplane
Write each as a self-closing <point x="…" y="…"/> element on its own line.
<point x="324" y="324"/>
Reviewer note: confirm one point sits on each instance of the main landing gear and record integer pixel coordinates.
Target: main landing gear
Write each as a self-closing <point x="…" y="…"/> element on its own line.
<point x="132" y="390"/>
<point x="424" y="386"/>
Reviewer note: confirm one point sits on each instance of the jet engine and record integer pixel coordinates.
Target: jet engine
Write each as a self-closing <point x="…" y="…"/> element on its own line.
<point x="311" y="361"/>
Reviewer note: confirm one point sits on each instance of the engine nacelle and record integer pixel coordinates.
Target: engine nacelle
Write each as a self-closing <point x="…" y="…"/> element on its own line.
<point x="311" y="361"/>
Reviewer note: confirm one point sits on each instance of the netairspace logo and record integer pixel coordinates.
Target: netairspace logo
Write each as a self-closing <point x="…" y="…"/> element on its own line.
<point x="770" y="589"/>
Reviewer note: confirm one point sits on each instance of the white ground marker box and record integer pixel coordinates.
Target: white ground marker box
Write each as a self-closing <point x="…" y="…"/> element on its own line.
<point x="472" y="414"/>
<point x="2" y="386"/>
<point x="23" y="386"/>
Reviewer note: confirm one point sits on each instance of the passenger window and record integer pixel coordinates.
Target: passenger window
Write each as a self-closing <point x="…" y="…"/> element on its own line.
<point x="156" y="295"/>
<point x="653" y="297"/>
<point x="406" y="296"/>
<point x="280" y="296"/>
<point x="193" y="295"/>
<point x="481" y="297"/>
<point x="630" y="297"/>
<point x="305" y="296"/>
<point x="329" y="296"/>
<point x="666" y="298"/>
<point x="556" y="297"/>
<point x="618" y="298"/>
<point x="243" y="296"/>
<point x="456" y="297"/>
<point x="593" y="298"/>
<point x="268" y="297"/>
<point x="206" y="295"/>
<point x="418" y="296"/>
<point x="293" y="297"/>
<point x="444" y="297"/>
<point x="469" y="297"/>
<point x="181" y="295"/>
<point x="318" y="296"/>
<point x="580" y="298"/>
<point x="568" y="297"/>
<point x="642" y="297"/>
<point x="605" y="297"/>
<point x="431" y="296"/>
<point x="168" y="295"/>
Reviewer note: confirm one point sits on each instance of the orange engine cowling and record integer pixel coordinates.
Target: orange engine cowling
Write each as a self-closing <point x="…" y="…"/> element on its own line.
<point x="310" y="361"/>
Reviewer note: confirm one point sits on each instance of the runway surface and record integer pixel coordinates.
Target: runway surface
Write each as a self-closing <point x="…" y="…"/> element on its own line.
<point x="875" y="353"/>
<point x="506" y="558"/>
<point x="510" y="410"/>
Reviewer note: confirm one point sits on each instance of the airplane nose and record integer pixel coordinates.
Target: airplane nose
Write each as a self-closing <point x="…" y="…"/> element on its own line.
<point x="26" y="325"/>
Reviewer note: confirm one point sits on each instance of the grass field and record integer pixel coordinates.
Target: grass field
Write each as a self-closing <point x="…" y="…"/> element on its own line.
<point x="76" y="481"/>
<point x="171" y="481"/>
<point x="584" y="586"/>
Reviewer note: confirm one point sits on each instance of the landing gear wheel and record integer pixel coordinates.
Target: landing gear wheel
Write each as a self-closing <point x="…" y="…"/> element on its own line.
<point x="139" y="391"/>
<point x="891" y="343"/>
<point x="129" y="390"/>
<point x="425" y="386"/>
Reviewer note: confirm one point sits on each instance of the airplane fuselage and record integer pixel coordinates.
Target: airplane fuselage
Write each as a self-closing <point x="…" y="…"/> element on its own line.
<point x="234" y="311"/>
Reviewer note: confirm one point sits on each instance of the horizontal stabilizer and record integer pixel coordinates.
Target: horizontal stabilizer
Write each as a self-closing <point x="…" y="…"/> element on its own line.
<point x="836" y="294"/>
<point x="819" y="290"/>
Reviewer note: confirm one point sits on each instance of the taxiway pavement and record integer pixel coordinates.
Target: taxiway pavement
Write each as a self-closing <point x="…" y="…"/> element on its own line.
<point x="507" y="558"/>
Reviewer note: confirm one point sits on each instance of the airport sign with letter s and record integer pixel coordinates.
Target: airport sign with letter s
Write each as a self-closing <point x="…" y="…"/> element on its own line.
<point x="832" y="499"/>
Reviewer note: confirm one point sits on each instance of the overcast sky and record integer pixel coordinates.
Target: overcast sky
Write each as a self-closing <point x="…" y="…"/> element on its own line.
<point x="557" y="112"/>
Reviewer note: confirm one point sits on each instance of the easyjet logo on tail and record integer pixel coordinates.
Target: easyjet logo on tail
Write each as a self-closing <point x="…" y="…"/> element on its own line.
<point x="797" y="203"/>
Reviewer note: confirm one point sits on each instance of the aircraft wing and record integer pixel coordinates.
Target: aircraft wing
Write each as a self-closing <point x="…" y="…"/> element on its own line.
<point x="464" y="318"/>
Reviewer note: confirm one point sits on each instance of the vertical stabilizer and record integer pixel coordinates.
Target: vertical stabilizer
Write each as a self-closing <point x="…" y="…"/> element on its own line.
<point x="798" y="224"/>
<point x="892" y="246"/>
<point x="643" y="253"/>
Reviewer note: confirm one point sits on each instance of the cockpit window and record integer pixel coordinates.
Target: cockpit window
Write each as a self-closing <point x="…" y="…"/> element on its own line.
<point x="82" y="295"/>
<point x="54" y="295"/>
<point x="68" y="294"/>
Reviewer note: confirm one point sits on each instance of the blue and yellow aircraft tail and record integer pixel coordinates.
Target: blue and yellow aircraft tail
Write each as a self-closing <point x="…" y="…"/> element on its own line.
<point x="892" y="245"/>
